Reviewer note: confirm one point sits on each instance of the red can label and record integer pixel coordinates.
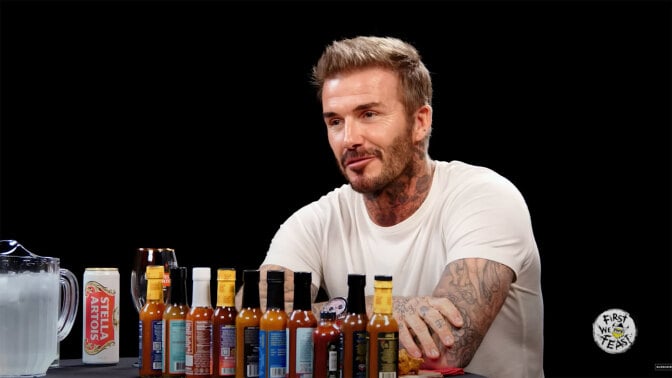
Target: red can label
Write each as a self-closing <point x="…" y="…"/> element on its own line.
<point x="100" y="305"/>
<point x="100" y="336"/>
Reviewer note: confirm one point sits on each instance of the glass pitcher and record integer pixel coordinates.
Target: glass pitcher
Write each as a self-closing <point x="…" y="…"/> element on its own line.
<point x="38" y="306"/>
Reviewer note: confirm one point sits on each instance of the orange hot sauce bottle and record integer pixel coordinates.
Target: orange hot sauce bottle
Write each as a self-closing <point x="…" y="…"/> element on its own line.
<point x="353" y="328"/>
<point x="174" y="323"/>
<point x="224" y="325"/>
<point x="300" y="327"/>
<point x="273" y="329"/>
<point x="247" y="327"/>
<point x="382" y="332"/>
<point x="151" y="324"/>
<point x="199" y="326"/>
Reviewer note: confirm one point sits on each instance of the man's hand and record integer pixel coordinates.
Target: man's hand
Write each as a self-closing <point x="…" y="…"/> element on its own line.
<point x="415" y="314"/>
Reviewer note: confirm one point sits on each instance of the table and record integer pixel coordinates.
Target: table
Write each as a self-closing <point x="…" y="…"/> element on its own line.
<point x="75" y="368"/>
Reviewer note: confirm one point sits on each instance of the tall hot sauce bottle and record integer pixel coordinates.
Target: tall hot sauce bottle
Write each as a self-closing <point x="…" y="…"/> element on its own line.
<point x="247" y="327"/>
<point x="151" y="324"/>
<point x="272" y="329"/>
<point x="382" y="332"/>
<point x="199" y="326"/>
<point x="174" y="325"/>
<point x="327" y="345"/>
<point x="353" y="329"/>
<point x="224" y="325"/>
<point x="300" y="327"/>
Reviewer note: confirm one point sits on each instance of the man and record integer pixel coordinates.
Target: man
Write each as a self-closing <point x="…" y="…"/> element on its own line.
<point x="456" y="238"/>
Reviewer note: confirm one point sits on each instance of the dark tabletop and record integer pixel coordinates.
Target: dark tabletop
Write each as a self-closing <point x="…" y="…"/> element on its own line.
<point x="75" y="368"/>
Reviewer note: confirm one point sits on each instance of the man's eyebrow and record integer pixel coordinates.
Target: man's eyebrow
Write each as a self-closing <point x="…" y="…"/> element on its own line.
<point x="358" y="108"/>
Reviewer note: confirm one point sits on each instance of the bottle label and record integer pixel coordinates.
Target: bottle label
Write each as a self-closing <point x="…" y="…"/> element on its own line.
<point x="333" y="365"/>
<point x="140" y="344"/>
<point x="157" y="351"/>
<point x="388" y="353"/>
<point x="304" y="351"/>
<point x="358" y="355"/>
<point x="272" y="354"/>
<point x="198" y="358"/>
<point x="177" y="342"/>
<point x="227" y="350"/>
<point x="251" y="351"/>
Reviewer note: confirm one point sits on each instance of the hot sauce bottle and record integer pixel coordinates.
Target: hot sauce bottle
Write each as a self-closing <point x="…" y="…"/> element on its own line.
<point x="151" y="324"/>
<point x="327" y="345"/>
<point x="174" y="325"/>
<point x="382" y="332"/>
<point x="199" y="326"/>
<point x="353" y="329"/>
<point x="300" y="327"/>
<point x="247" y="327"/>
<point x="224" y="325"/>
<point x="272" y="329"/>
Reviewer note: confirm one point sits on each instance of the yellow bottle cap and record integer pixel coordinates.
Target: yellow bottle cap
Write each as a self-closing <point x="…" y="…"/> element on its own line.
<point x="154" y="272"/>
<point x="226" y="274"/>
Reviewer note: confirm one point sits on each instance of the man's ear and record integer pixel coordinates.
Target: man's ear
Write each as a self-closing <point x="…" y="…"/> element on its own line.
<point x="422" y="123"/>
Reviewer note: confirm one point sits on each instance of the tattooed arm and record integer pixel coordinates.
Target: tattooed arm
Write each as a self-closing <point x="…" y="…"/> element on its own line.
<point x="475" y="288"/>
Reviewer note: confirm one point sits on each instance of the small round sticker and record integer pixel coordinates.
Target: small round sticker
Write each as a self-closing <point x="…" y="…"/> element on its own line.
<point x="614" y="331"/>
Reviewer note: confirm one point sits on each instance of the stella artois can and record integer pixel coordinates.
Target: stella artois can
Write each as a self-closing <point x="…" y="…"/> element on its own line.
<point x="100" y="336"/>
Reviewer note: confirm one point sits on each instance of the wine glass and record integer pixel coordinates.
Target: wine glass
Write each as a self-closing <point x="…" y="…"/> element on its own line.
<point x="150" y="256"/>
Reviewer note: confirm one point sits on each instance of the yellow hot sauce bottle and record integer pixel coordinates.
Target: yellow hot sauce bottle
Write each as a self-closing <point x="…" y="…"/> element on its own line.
<point x="382" y="332"/>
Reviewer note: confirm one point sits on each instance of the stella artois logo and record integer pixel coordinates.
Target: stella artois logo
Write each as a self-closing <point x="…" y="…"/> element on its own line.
<point x="101" y="316"/>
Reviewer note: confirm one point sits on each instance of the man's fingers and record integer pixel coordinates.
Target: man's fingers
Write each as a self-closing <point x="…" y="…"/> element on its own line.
<point x="418" y="327"/>
<point x="438" y="324"/>
<point x="407" y="341"/>
<point x="448" y="309"/>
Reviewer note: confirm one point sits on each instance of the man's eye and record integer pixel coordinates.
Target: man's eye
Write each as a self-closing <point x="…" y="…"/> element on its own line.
<point x="369" y="114"/>
<point x="334" y="122"/>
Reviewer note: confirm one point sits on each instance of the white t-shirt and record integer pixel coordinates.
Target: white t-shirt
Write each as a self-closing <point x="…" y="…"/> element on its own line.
<point x="470" y="211"/>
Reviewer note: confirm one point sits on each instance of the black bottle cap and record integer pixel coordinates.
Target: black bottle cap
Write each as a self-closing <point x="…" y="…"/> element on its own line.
<point x="302" y="278"/>
<point x="383" y="278"/>
<point x="178" y="273"/>
<point x="356" y="280"/>
<point x="277" y="276"/>
<point x="250" y="275"/>
<point x="327" y="315"/>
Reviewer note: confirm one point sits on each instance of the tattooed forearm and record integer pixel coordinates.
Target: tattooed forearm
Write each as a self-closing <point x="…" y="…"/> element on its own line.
<point x="478" y="288"/>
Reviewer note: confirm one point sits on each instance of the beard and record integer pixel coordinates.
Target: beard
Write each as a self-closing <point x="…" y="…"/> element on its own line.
<point x="397" y="161"/>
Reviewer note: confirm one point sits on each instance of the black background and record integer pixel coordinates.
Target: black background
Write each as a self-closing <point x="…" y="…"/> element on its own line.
<point x="193" y="126"/>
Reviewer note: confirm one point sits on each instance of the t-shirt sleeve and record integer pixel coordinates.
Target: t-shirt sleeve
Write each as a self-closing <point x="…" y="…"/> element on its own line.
<point x="492" y="221"/>
<point x="295" y="245"/>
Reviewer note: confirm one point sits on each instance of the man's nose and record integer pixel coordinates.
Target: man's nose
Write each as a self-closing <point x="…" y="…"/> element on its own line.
<point x="352" y="136"/>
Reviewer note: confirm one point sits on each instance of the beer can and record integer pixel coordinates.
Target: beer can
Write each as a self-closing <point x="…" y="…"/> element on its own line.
<point x="100" y="310"/>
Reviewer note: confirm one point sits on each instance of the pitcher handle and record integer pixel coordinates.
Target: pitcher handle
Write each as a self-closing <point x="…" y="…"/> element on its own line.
<point x="69" y="303"/>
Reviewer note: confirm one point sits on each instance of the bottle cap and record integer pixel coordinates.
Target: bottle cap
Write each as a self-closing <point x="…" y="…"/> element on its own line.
<point x="178" y="273"/>
<point x="226" y="274"/>
<point x="154" y="272"/>
<point x="250" y="275"/>
<point x="200" y="274"/>
<point x="276" y="276"/>
<point x="383" y="278"/>
<point x="383" y="282"/>
<point x="356" y="280"/>
<point x="328" y="315"/>
<point x="302" y="279"/>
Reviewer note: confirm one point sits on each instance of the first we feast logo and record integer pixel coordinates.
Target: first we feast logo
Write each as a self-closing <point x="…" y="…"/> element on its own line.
<point x="614" y="331"/>
<point x="99" y="310"/>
